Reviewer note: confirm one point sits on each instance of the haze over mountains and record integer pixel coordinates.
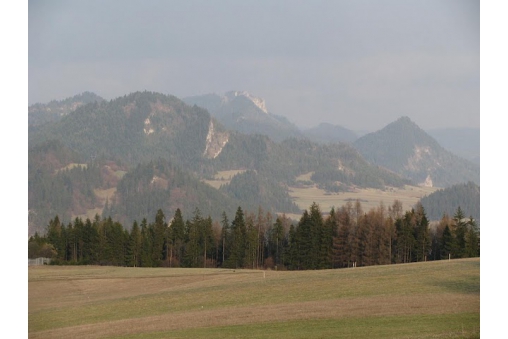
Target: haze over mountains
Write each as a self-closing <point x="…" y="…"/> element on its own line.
<point x="130" y="156"/>
<point x="243" y="112"/>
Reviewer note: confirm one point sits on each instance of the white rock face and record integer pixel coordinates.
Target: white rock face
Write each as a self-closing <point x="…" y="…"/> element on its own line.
<point x="427" y="182"/>
<point x="148" y="129"/>
<point x="215" y="142"/>
<point x="419" y="154"/>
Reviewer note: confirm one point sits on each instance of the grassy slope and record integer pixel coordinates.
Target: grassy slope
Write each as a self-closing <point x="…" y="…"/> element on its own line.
<point x="420" y="300"/>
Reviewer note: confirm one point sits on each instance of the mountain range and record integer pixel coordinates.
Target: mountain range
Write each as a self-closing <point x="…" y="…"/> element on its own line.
<point x="130" y="156"/>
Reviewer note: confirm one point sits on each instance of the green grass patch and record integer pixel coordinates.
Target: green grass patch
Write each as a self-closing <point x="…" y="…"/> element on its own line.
<point x="466" y="325"/>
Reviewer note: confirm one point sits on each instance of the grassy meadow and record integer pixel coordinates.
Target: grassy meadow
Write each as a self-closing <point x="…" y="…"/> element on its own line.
<point x="368" y="197"/>
<point x="419" y="300"/>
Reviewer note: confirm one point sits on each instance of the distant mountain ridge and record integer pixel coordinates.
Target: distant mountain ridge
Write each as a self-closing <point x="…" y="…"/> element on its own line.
<point x="327" y="133"/>
<point x="246" y="113"/>
<point x="406" y="149"/>
<point x="39" y="114"/>
<point x="138" y="127"/>
<point x="464" y="142"/>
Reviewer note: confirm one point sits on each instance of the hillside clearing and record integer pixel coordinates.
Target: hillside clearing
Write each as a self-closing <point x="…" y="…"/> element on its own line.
<point x="440" y="299"/>
<point x="368" y="197"/>
<point x="222" y="178"/>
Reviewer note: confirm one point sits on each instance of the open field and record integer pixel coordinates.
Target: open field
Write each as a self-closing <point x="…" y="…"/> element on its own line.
<point x="420" y="300"/>
<point x="369" y="198"/>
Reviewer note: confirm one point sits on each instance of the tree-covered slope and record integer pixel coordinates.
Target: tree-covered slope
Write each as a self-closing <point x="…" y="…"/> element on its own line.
<point x="59" y="184"/>
<point x="40" y="114"/>
<point x="290" y="158"/>
<point x="446" y="201"/>
<point x="135" y="128"/>
<point x="162" y="185"/>
<point x="406" y="149"/>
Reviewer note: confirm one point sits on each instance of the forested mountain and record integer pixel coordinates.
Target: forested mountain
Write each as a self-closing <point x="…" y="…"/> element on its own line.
<point x="240" y="111"/>
<point x="406" y="149"/>
<point x="130" y="156"/>
<point x="464" y="142"/>
<point x="158" y="185"/>
<point x="448" y="200"/>
<point x="59" y="184"/>
<point x="161" y="185"/>
<point x="40" y="114"/>
<point x="332" y="164"/>
<point x="138" y="128"/>
<point x="327" y="133"/>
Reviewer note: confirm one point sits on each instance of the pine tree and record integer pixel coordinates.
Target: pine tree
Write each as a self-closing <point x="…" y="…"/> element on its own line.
<point x="460" y="231"/>
<point x="54" y="236"/>
<point x="422" y="237"/>
<point x="363" y="238"/>
<point x="225" y="239"/>
<point x="146" y="245"/>
<point x="238" y="244"/>
<point x="193" y="250"/>
<point x="208" y="247"/>
<point x="472" y="239"/>
<point x="134" y="246"/>
<point x="176" y="239"/>
<point x="319" y="238"/>
<point x="276" y="241"/>
<point x="251" y="241"/>
<point x="304" y="242"/>
<point x="159" y="241"/>
<point x="293" y="258"/>
<point x="328" y="233"/>
<point x="341" y="243"/>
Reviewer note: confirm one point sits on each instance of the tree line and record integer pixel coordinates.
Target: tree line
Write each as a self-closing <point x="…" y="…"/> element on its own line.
<point x="344" y="237"/>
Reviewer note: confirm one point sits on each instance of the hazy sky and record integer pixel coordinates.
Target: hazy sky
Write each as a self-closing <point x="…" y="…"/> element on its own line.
<point x="359" y="64"/>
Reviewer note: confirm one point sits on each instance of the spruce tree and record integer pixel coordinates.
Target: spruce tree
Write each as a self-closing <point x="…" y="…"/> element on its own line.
<point x="472" y="239"/>
<point x="422" y="237"/>
<point x="134" y="246"/>
<point x="177" y="239"/>
<point x="460" y="231"/>
<point x="238" y="243"/>
<point x="225" y="247"/>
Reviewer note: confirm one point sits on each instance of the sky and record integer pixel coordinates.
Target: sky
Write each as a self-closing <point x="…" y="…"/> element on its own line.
<point x="358" y="64"/>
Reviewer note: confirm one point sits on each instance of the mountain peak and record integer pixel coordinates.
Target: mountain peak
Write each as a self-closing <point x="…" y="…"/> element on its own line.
<point x="259" y="102"/>
<point x="403" y="147"/>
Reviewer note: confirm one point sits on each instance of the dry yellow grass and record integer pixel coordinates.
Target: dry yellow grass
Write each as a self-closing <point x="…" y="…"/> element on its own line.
<point x="71" y="166"/>
<point x="102" y="302"/>
<point x="305" y="177"/>
<point x="223" y="177"/>
<point x="369" y="198"/>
